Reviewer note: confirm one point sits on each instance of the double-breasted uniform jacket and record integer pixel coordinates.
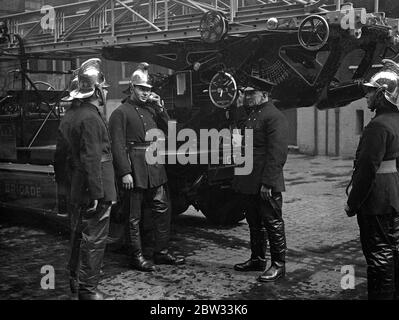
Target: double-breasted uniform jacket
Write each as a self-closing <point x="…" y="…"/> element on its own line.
<point x="129" y="124"/>
<point x="92" y="172"/>
<point x="270" y="149"/>
<point x="374" y="193"/>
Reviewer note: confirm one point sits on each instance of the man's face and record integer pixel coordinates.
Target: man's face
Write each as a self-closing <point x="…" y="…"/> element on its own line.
<point x="141" y="93"/>
<point x="253" y="98"/>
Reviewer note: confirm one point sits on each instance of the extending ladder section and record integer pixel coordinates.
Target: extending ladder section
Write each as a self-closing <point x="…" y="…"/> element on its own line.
<point x="86" y="27"/>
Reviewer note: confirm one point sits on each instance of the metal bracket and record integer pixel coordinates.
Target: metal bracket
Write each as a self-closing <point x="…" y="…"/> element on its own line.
<point x="110" y="40"/>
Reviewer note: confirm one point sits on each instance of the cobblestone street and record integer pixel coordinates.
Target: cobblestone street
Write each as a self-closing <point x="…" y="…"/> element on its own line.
<point x="321" y="239"/>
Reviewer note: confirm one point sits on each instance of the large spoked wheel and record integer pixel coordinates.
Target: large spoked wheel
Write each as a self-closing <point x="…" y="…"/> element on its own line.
<point x="221" y="206"/>
<point x="213" y="26"/>
<point x="313" y="33"/>
<point x="222" y="90"/>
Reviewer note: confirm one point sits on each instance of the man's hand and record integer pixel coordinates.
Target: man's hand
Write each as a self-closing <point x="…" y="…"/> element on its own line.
<point x="127" y="181"/>
<point x="265" y="192"/>
<point x="94" y="207"/>
<point x="156" y="99"/>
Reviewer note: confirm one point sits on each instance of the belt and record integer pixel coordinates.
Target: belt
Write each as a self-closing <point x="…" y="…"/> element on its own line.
<point x="388" y="166"/>
<point x="104" y="158"/>
<point x="138" y="145"/>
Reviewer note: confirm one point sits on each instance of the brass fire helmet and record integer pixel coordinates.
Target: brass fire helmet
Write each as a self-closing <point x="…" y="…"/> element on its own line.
<point x="140" y="76"/>
<point x="90" y="78"/>
<point x="387" y="79"/>
<point x="73" y="85"/>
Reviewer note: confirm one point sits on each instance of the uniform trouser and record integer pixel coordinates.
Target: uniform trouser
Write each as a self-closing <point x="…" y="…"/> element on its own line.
<point x="379" y="236"/>
<point x="267" y="216"/>
<point x="158" y="201"/>
<point x="89" y="231"/>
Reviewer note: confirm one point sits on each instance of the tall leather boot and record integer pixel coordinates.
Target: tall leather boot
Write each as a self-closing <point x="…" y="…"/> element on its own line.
<point x="75" y="222"/>
<point x="395" y="233"/>
<point x="376" y="236"/>
<point x="162" y="217"/>
<point x="257" y="262"/>
<point x="162" y="255"/>
<point x="94" y="238"/>
<point x="277" y="252"/>
<point x="274" y="272"/>
<point x="137" y="260"/>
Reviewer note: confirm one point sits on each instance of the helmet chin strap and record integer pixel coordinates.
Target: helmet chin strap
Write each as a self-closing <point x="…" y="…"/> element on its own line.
<point x="100" y="96"/>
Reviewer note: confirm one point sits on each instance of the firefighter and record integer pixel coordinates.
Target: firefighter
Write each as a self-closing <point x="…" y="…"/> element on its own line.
<point x="261" y="189"/>
<point x="92" y="178"/>
<point x="374" y="196"/>
<point x="143" y="183"/>
<point x="62" y="171"/>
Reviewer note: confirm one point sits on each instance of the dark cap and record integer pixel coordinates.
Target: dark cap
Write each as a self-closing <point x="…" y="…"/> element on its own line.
<point x="256" y="83"/>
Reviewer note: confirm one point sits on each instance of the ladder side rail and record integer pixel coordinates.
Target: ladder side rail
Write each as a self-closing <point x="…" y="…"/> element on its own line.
<point x="92" y="12"/>
<point x="233" y="9"/>
<point x="139" y="15"/>
<point x="166" y="14"/>
<point x="185" y="4"/>
<point x="31" y="30"/>
<point x="169" y="7"/>
<point x="196" y="5"/>
<point x="118" y="18"/>
<point x="210" y="7"/>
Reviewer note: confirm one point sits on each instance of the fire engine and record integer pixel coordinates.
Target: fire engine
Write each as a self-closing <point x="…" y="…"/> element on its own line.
<point x="211" y="46"/>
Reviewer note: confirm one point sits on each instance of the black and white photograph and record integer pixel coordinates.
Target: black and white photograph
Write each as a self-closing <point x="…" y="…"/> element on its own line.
<point x="212" y="152"/>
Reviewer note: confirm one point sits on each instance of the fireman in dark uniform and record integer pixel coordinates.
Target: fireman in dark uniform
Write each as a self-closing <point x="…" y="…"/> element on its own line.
<point x="374" y="196"/>
<point x="63" y="172"/>
<point x="92" y="178"/>
<point x="261" y="189"/>
<point x="142" y="183"/>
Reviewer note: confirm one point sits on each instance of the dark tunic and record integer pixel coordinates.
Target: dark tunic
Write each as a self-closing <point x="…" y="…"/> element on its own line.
<point x="372" y="193"/>
<point x="90" y="155"/>
<point x="129" y="124"/>
<point x="62" y="153"/>
<point x="270" y="149"/>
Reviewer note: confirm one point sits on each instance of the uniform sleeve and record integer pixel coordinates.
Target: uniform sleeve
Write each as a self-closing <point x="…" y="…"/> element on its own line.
<point x="369" y="155"/>
<point x="276" y="131"/>
<point x="90" y="156"/>
<point x="117" y="127"/>
<point x="161" y="120"/>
